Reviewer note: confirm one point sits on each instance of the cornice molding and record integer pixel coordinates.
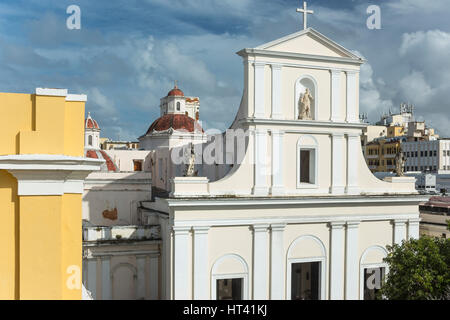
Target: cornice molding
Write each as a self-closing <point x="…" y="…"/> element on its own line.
<point x="49" y="174"/>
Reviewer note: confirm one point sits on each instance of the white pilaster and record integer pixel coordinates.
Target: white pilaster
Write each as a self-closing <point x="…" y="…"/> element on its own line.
<point x="336" y="95"/>
<point x="154" y="276"/>
<point x="106" y="278"/>
<point x="337" y="261"/>
<point x="352" y="114"/>
<point x="277" y="262"/>
<point x="277" y="112"/>
<point x="352" y="163"/>
<point x="399" y="231"/>
<point x="277" y="163"/>
<point x="260" y="187"/>
<point x="181" y="263"/>
<point x="201" y="273"/>
<point x="260" y="267"/>
<point x="259" y="90"/>
<point x="337" y="164"/>
<point x="92" y="276"/>
<point x="351" y="261"/>
<point x="413" y="228"/>
<point x="141" y="278"/>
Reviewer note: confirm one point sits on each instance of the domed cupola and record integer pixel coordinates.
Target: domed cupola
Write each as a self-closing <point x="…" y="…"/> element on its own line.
<point x="91" y="133"/>
<point x="90" y="123"/>
<point x="174" y="102"/>
<point x="175" y="92"/>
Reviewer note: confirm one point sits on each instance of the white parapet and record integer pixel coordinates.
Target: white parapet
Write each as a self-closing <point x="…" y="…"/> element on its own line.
<point x="121" y="233"/>
<point x="189" y="187"/>
<point x="402" y="184"/>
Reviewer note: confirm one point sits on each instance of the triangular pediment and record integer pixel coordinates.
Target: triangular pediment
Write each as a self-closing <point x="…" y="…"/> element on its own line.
<point x="309" y="42"/>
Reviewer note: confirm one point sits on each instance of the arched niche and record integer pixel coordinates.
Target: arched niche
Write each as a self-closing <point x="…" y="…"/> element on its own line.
<point x="229" y="266"/>
<point x="305" y="249"/>
<point x="301" y="84"/>
<point x="124" y="278"/>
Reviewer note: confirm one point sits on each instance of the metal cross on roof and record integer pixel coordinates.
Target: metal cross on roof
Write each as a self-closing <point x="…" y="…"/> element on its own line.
<point x="305" y="12"/>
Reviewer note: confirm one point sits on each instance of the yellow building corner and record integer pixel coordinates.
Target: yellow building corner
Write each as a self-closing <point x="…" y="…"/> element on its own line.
<point x="42" y="170"/>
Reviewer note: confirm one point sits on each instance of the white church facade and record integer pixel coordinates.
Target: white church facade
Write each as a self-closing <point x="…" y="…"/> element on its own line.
<point x="301" y="216"/>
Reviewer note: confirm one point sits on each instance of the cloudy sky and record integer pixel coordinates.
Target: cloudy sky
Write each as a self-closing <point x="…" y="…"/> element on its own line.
<point x="128" y="53"/>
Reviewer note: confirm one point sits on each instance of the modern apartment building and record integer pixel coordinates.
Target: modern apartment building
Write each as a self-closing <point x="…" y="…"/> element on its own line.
<point x="433" y="156"/>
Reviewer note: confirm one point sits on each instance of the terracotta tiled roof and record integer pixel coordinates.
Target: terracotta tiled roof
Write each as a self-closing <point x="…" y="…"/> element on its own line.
<point x="176" y="122"/>
<point x="91" y="154"/>
<point x="100" y="154"/>
<point x="109" y="163"/>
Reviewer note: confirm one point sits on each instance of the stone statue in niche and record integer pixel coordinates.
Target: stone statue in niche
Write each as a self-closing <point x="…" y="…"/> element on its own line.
<point x="304" y="104"/>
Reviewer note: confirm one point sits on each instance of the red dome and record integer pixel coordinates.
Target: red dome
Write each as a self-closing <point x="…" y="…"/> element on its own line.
<point x="90" y="123"/>
<point x="175" y="92"/>
<point x="176" y="122"/>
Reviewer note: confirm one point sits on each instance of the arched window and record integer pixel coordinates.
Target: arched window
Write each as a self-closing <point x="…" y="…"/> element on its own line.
<point x="178" y="106"/>
<point x="372" y="272"/>
<point x="306" y="269"/>
<point x="307" y="162"/>
<point x="229" y="278"/>
<point x="301" y="84"/>
<point x="90" y="140"/>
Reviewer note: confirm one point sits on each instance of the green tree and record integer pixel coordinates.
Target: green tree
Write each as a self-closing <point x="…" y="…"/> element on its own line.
<point x="418" y="270"/>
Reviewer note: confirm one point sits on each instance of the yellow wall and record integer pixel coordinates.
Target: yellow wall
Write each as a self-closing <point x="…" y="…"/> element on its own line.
<point x="40" y="236"/>
<point x="31" y="124"/>
<point x="9" y="237"/>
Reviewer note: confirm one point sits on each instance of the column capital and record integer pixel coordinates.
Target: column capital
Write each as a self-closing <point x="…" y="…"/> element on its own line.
<point x="263" y="227"/>
<point x="277" y="132"/>
<point x="201" y="229"/>
<point x="414" y="221"/>
<point x="277" y="226"/>
<point x="353" y="135"/>
<point x="276" y="66"/>
<point x="337" y="135"/>
<point x="336" y="224"/>
<point x="399" y="222"/>
<point x="259" y="64"/>
<point x="260" y="132"/>
<point x="353" y="224"/>
<point x="351" y="72"/>
<point x="335" y="71"/>
<point x="180" y="230"/>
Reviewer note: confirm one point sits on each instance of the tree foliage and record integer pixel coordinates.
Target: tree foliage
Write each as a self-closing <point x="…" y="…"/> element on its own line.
<point x="418" y="270"/>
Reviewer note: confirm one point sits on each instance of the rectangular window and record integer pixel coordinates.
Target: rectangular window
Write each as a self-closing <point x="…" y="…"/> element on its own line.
<point x="307" y="170"/>
<point x="230" y="289"/>
<point x="137" y="164"/>
<point x="373" y="280"/>
<point x="305" y="281"/>
<point x="305" y="166"/>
